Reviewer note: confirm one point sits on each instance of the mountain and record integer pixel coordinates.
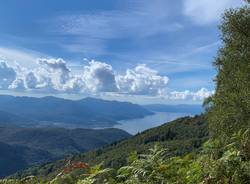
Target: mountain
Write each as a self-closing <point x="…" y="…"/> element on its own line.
<point x="88" y="112"/>
<point x="28" y="146"/>
<point x="180" y="108"/>
<point x="179" y="136"/>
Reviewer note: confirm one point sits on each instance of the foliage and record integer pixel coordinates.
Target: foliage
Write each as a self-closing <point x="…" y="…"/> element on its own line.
<point x="223" y="165"/>
<point x="231" y="101"/>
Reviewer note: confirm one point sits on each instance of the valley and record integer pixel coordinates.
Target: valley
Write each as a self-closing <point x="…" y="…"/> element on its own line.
<point x="40" y="130"/>
<point x="33" y="136"/>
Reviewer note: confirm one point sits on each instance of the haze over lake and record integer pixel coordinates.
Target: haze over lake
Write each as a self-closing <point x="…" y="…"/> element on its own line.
<point x="134" y="126"/>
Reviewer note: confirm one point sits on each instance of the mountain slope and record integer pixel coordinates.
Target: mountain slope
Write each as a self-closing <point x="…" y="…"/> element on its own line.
<point x="60" y="141"/>
<point x="27" y="146"/>
<point x="180" y="136"/>
<point x="15" y="157"/>
<point x="88" y="112"/>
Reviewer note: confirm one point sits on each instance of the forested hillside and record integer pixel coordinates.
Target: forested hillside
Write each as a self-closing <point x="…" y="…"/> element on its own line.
<point x="180" y="136"/>
<point x="23" y="147"/>
<point x="16" y="157"/>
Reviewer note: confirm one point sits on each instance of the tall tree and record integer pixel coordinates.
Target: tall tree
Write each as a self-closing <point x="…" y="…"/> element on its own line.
<point x="231" y="102"/>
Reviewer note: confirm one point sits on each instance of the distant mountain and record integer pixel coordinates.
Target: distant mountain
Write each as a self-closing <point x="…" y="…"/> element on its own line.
<point x="27" y="146"/>
<point x="179" y="137"/>
<point x="88" y="112"/>
<point x="180" y="108"/>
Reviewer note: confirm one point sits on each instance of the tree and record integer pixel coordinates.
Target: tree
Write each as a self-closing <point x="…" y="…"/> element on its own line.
<point x="230" y="110"/>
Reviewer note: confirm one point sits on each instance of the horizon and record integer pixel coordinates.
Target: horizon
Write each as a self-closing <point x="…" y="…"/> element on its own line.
<point x="89" y="97"/>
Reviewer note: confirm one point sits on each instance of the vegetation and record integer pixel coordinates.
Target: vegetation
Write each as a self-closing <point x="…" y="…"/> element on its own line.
<point x="30" y="146"/>
<point x="228" y="164"/>
<point x="180" y="137"/>
<point x="223" y="159"/>
<point x="230" y="110"/>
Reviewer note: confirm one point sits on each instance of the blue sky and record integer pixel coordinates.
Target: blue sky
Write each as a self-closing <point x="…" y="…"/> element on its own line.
<point x="146" y="51"/>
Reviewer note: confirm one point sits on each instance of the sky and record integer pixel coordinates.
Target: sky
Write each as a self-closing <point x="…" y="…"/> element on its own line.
<point x="144" y="51"/>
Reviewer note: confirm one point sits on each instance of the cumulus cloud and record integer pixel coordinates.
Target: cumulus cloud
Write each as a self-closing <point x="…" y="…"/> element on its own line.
<point x="55" y="68"/>
<point x="99" y="77"/>
<point x="142" y="80"/>
<point x="187" y="95"/>
<point x="18" y="84"/>
<point x="53" y="75"/>
<point x="54" y="64"/>
<point x="7" y="75"/>
<point x="207" y="11"/>
<point x="31" y="80"/>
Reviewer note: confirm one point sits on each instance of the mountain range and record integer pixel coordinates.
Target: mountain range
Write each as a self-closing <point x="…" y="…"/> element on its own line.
<point x="179" y="108"/>
<point x="85" y="113"/>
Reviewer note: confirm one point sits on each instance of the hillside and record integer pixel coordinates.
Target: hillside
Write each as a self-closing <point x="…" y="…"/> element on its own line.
<point x="16" y="157"/>
<point x="180" y="136"/>
<point x="29" y="146"/>
<point x="87" y="113"/>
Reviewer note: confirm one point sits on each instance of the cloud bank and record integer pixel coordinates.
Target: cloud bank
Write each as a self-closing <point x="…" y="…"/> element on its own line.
<point x="54" y="76"/>
<point x="189" y="95"/>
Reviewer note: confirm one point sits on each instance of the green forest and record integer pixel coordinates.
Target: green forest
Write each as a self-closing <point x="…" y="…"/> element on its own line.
<point x="212" y="148"/>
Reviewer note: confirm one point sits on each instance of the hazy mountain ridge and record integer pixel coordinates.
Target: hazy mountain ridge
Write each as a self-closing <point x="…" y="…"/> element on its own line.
<point x="88" y="112"/>
<point x="180" y="108"/>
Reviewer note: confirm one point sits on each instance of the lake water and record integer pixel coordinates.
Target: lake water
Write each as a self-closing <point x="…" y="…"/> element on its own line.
<point x="134" y="126"/>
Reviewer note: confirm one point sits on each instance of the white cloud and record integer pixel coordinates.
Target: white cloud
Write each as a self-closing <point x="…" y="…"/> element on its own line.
<point x="202" y="93"/>
<point x="7" y="75"/>
<point x="208" y="11"/>
<point x="187" y="95"/>
<point x="99" y="77"/>
<point x="17" y="84"/>
<point x="54" y="64"/>
<point x="31" y="80"/>
<point x="142" y="80"/>
<point x="55" y="68"/>
<point x="54" y="76"/>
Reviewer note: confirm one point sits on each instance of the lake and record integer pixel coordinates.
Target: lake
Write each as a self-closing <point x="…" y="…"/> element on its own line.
<point x="134" y="126"/>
